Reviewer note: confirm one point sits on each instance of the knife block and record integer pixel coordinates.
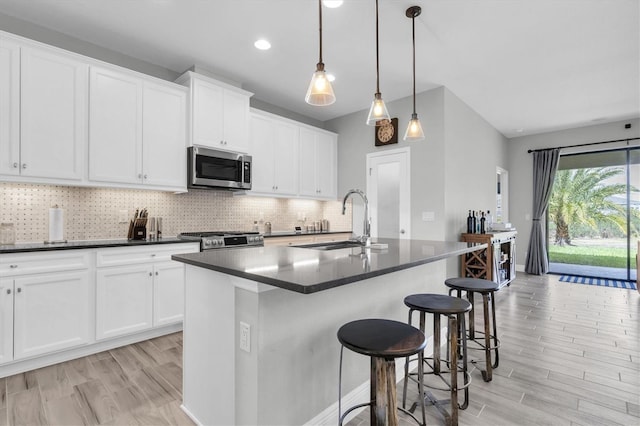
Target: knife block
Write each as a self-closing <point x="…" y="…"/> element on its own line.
<point x="139" y="233"/>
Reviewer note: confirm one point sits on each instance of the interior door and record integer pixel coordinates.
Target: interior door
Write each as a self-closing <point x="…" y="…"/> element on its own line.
<point x="389" y="194"/>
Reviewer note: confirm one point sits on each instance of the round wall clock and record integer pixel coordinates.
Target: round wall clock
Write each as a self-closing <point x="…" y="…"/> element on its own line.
<point x="387" y="133"/>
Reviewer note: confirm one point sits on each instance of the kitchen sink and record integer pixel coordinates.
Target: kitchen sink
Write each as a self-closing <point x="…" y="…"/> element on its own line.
<point x="333" y="245"/>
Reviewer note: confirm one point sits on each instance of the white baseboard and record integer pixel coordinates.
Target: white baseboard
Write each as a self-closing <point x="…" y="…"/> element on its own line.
<point x="360" y="395"/>
<point x="191" y="416"/>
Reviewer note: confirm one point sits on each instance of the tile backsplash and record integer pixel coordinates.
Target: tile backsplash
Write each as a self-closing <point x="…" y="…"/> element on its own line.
<point x="93" y="213"/>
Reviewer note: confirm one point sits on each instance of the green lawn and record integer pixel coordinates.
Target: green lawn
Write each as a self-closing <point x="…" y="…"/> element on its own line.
<point x="592" y="255"/>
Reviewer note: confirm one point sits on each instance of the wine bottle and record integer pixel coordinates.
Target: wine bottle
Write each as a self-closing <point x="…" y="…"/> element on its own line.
<point x="474" y="223"/>
<point x="469" y="223"/>
<point x="489" y="220"/>
<point x="482" y="222"/>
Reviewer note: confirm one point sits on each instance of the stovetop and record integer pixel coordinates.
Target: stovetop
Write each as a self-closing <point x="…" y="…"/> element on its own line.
<point x="223" y="239"/>
<point x="186" y="235"/>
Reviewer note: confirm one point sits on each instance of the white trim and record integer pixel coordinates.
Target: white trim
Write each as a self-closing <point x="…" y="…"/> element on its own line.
<point x="190" y="415"/>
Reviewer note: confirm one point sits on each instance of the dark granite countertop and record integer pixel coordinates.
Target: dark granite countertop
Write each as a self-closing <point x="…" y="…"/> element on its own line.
<point x="305" y="270"/>
<point x="302" y="233"/>
<point x="71" y="245"/>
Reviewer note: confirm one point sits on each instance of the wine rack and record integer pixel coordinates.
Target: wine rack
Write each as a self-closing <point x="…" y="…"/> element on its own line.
<point x="496" y="263"/>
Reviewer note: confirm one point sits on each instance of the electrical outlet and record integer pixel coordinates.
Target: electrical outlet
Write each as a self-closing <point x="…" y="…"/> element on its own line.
<point x="123" y="216"/>
<point x="245" y="336"/>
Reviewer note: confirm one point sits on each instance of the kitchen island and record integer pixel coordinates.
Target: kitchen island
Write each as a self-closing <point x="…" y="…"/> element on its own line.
<point x="260" y="325"/>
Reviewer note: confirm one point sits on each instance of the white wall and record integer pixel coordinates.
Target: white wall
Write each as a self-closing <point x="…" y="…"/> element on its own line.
<point x="452" y="170"/>
<point x="520" y="166"/>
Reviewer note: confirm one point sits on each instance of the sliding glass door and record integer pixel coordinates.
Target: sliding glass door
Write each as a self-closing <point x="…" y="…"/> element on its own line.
<point x="593" y="218"/>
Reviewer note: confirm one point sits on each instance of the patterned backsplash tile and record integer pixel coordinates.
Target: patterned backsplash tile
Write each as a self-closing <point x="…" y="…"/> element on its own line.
<point x="93" y="213"/>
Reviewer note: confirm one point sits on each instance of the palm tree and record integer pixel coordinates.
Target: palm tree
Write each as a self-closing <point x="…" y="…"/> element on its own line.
<point x="580" y="196"/>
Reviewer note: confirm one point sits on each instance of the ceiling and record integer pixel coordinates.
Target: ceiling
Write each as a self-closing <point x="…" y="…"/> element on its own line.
<point x="526" y="66"/>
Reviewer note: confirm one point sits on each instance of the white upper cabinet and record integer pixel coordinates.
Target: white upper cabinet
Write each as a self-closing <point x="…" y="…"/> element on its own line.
<point x="219" y="113"/>
<point x="318" y="163"/>
<point x="53" y="114"/>
<point x="9" y="108"/>
<point x="274" y="148"/>
<point x="137" y="130"/>
<point x="164" y="130"/>
<point x="115" y="127"/>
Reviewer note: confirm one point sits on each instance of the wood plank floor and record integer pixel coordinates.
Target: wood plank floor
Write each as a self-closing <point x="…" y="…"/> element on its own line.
<point x="139" y="384"/>
<point x="569" y="356"/>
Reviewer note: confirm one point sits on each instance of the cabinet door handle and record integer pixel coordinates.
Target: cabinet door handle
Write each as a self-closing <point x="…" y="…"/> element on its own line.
<point x="145" y="176"/>
<point x="24" y="165"/>
<point x="8" y="291"/>
<point x="402" y="231"/>
<point x="13" y="266"/>
<point x="153" y="255"/>
<point x="15" y="165"/>
<point x="139" y="175"/>
<point x="156" y="273"/>
<point x="150" y="274"/>
<point x="19" y="290"/>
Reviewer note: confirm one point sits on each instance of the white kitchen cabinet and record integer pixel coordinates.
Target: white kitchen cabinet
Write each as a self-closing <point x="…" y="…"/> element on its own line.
<point x="9" y="108"/>
<point x="124" y="297"/>
<point x="45" y="303"/>
<point x="53" y="114"/>
<point x="139" y="288"/>
<point x="6" y="320"/>
<point x="219" y="113"/>
<point x="318" y="163"/>
<point x="274" y="148"/>
<point x="168" y="293"/>
<point x="137" y="132"/>
<point x="115" y="129"/>
<point x="164" y="130"/>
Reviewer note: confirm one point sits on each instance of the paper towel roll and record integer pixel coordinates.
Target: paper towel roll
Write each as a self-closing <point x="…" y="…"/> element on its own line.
<point x="56" y="224"/>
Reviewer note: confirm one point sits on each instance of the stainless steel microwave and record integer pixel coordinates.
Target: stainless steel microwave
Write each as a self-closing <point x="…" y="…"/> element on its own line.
<point x="212" y="168"/>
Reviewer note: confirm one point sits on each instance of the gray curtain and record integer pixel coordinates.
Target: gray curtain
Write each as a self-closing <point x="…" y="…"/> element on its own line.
<point x="545" y="164"/>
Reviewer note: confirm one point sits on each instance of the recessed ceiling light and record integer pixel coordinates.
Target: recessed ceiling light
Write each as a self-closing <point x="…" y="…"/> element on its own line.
<point x="332" y="3"/>
<point x="519" y="130"/>
<point x="331" y="77"/>
<point x="262" y="44"/>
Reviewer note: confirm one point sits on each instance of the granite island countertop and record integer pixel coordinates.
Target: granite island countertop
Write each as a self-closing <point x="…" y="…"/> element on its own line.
<point x="306" y="270"/>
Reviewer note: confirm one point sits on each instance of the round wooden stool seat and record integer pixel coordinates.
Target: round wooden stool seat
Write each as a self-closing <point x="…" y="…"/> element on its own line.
<point x="471" y="284"/>
<point x="382" y="338"/>
<point x="437" y="304"/>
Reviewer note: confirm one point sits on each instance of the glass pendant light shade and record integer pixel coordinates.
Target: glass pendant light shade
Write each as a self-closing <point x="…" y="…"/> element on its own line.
<point x="414" y="129"/>
<point x="377" y="112"/>
<point x="320" y="92"/>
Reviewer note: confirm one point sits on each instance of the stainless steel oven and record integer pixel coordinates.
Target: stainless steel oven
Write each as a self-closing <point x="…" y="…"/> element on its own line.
<point x="223" y="239"/>
<point x="212" y="168"/>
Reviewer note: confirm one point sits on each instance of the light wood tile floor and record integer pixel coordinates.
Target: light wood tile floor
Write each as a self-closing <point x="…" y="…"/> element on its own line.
<point x="570" y="355"/>
<point x="139" y="384"/>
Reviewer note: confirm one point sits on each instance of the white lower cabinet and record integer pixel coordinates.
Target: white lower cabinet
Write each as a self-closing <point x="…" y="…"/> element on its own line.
<point x="168" y="293"/>
<point x="45" y="304"/>
<point x="124" y="298"/>
<point x="51" y="312"/>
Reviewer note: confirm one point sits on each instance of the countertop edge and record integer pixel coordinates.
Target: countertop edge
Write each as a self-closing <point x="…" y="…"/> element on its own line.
<point x="324" y="285"/>
<point x="89" y="244"/>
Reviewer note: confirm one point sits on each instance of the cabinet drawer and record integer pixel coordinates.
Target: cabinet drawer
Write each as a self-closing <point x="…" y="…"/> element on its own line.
<point x="39" y="262"/>
<point x="134" y="255"/>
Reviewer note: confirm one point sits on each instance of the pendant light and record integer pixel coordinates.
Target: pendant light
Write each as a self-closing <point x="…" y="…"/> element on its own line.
<point x="414" y="129"/>
<point x="320" y="92"/>
<point x="378" y="113"/>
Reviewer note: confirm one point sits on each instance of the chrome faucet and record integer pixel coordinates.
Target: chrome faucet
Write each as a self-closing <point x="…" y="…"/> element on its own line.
<point x="365" y="239"/>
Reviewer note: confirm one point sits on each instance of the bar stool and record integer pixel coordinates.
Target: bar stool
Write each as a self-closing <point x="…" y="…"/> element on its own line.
<point x="487" y="289"/>
<point x="454" y="308"/>
<point x="383" y="341"/>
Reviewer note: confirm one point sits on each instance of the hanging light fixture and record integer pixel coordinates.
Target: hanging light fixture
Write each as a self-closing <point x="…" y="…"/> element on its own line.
<point x="320" y="92"/>
<point x="378" y="113"/>
<point x="414" y="129"/>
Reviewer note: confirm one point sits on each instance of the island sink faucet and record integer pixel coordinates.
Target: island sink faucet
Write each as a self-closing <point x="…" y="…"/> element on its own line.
<point x="365" y="239"/>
